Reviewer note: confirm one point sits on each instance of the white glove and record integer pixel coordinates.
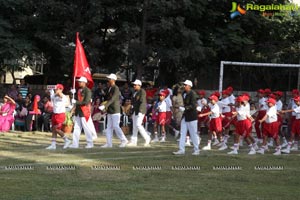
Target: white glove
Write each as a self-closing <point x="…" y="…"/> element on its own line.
<point x="181" y="108"/>
<point x="101" y="107"/>
<point x="73" y="91"/>
<point x="73" y="101"/>
<point x="198" y="108"/>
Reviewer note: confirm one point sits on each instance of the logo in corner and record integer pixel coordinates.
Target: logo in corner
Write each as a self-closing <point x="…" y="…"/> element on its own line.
<point x="236" y="10"/>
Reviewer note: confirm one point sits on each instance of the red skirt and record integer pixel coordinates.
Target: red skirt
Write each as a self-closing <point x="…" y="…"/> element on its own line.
<point x="296" y="126"/>
<point x="270" y="129"/>
<point x="168" y="117"/>
<point x="243" y="127"/>
<point x="227" y="119"/>
<point x="58" y="119"/>
<point x="215" y="124"/>
<point x="161" y="118"/>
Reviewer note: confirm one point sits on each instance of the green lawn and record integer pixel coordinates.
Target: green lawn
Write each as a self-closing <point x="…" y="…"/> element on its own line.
<point x="82" y="174"/>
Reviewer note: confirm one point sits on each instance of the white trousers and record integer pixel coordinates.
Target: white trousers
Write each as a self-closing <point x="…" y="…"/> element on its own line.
<point x="137" y="121"/>
<point x="113" y="124"/>
<point x="192" y="127"/>
<point x="88" y="128"/>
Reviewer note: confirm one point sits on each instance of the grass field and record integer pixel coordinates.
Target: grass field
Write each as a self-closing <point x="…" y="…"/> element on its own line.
<point x="28" y="171"/>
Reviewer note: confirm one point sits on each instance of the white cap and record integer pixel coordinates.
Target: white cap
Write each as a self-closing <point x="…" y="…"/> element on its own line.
<point x="188" y="82"/>
<point x="82" y="79"/>
<point x="112" y="76"/>
<point x="137" y="82"/>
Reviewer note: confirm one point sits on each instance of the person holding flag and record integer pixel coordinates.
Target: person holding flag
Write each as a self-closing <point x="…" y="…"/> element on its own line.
<point x="82" y="106"/>
<point x="82" y="110"/>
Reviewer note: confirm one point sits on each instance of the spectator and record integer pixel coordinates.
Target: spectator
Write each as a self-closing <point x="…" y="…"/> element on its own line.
<point x="97" y="114"/>
<point x="99" y="93"/>
<point x="46" y="114"/>
<point x="13" y="92"/>
<point x="126" y="92"/>
<point x="34" y="112"/>
<point x="6" y="113"/>
<point x="23" y="88"/>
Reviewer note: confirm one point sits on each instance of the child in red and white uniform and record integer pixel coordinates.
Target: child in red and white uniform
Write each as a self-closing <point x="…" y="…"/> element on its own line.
<point x="243" y="125"/>
<point x="215" y="124"/>
<point x="295" y="126"/>
<point x="292" y="105"/>
<point x="161" y="118"/>
<point x="262" y="108"/>
<point x="270" y="127"/>
<point x="224" y="105"/>
<point x="60" y="102"/>
<point x="202" y="107"/>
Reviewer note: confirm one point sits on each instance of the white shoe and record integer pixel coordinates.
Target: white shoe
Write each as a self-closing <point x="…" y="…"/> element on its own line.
<point x="179" y="152"/>
<point x="260" y="151"/>
<point x="131" y="144"/>
<point x="51" y="147"/>
<point x="207" y="147"/>
<point x="155" y="140"/>
<point x="278" y="152"/>
<point x="67" y="144"/>
<point x="176" y="133"/>
<point x="89" y="146"/>
<point x="72" y="146"/>
<point x="223" y="147"/>
<point x="106" y="146"/>
<point x="123" y="144"/>
<point x="294" y="148"/>
<point x="232" y="147"/>
<point x="234" y="152"/>
<point x="287" y="150"/>
<point x="252" y="151"/>
<point x="196" y="153"/>
<point x="216" y="142"/>
<point x="147" y="142"/>
<point x="163" y="139"/>
<point x="188" y="144"/>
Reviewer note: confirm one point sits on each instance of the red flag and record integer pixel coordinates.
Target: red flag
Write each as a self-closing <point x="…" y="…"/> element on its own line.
<point x="81" y="65"/>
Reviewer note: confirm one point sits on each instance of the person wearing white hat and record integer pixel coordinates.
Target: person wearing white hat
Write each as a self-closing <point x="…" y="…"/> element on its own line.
<point x="82" y="110"/>
<point x="189" y="119"/>
<point x="139" y="108"/>
<point x="112" y="106"/>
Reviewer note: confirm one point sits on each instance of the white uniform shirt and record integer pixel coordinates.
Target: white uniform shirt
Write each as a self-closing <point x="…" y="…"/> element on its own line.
<point x="262" y="104"/>
<point x="202" y="102"/>
<point x="215" y="109"/>
<point x="297" y="112"/>
<point x="294" y="106"/>
<point x="59" y="104"/>
<point x="232" y="99"/>
<point x="242" y="112"/>
<point x="272" y="115"/>
<point x="162" y="106"/>
<point x="224" y="105"/>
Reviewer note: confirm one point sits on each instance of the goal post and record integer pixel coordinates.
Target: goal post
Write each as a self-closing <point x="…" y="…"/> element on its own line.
<point x="224" y="63"/>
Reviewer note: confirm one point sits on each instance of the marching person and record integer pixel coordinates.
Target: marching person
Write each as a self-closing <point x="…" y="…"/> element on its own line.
<point x="215" y="123"/>
<point x="270" y="127"/>
<point x="295" y="127"/>
<point x="161" y="109"/>
<point x="112" y="106"/>
<point x="139" y="111"/>
<point x="243" y="125"/>
<point x="60" y="102"/>
<point x="189" y="119"/>
<point x="262" y="108"/>
<point x="83" y="119"/>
